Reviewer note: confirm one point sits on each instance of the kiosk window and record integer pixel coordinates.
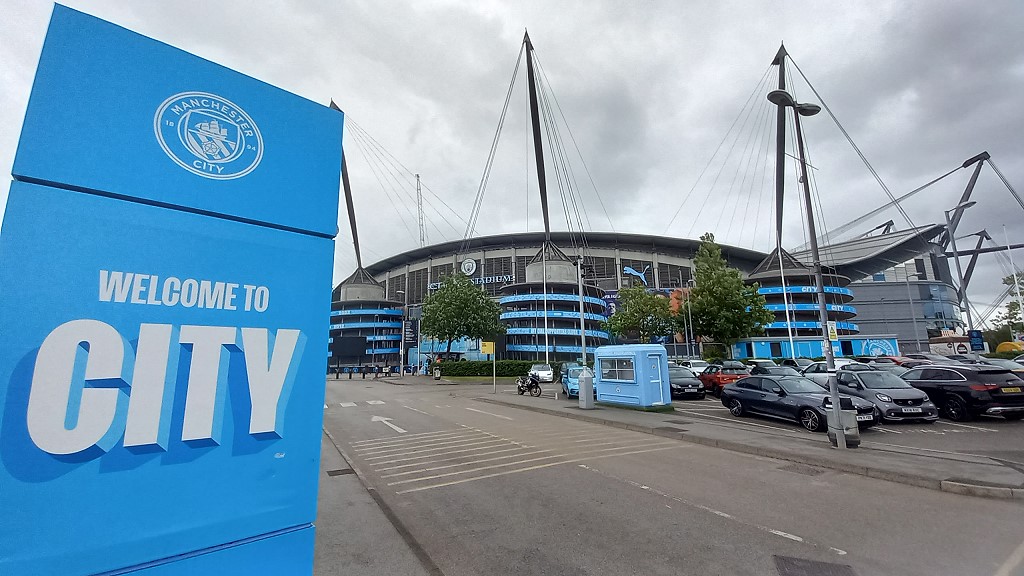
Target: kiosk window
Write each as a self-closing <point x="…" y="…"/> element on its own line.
<point x="617" y="369"/>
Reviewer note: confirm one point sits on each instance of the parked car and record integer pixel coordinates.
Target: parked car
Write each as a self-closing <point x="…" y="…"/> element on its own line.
<point x="798" y="363"/>
<point x="1019" y="358"/>
<point x="894" y="369"/>
<point x="571" y="381"/>
<point x="792" y="398"/>
<point x="543" y="372"/>
<point x="697" y="366"/>
<point x="775" y="370"/>
<point x="684" y="383"/>
<point x="1016" y="367"/>
<point x="760" y="362"/>
<point x="893" y="397"/>
<point x="715" y="376"/>
<point x="934" y="358"/>
<point x="818" y="371"/>
<point x="964" y="391"/>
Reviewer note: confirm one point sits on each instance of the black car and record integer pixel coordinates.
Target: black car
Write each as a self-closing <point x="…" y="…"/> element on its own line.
<point x="684" y="383"/>
<point x="798" y="363"/>
<point x="790" y="398"/>
<point x="963" y="391"/>
<point x="775" y="371"/>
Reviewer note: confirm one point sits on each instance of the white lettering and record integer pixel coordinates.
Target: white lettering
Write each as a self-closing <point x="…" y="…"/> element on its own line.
<point x="211" y="294"/>
<point x="262" y="299"/>
<point x="229" y="300"/>
<point x="203" y="413"/>
<point x="249" y="289"/>
<point x="148" y="412"/>
<point x="151" y="297"/>
<point x="137" y="287"/>
<point x="114" y="285"/>
<point x="65" y="416"/>
<point x="172" y="289"/>
<point x="189" y="293"/>
<point x="268" y="380"/>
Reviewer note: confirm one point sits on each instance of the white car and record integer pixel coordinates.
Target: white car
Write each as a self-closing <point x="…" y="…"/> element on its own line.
<point x="818" y="371"/>
<point x="543" y="372"/>
<point x="696" y="366"/>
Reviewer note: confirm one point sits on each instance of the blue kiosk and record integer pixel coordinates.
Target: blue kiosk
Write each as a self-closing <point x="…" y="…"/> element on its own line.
<point x="632" y="375"/>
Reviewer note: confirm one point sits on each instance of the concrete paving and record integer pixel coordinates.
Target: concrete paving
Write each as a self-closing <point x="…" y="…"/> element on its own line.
<point x="493" y="489"/>
<point x="702" y="423"/>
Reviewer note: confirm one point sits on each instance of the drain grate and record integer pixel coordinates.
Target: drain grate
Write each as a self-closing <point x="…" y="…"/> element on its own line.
<point x="803" y="469"/>
<point x="340" y="472"/>
<point x="789" y="566"/>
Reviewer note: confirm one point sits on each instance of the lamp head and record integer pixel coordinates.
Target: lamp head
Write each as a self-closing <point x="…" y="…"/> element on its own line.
<point x="807" y="109"/>
<point x="781" y="98"/>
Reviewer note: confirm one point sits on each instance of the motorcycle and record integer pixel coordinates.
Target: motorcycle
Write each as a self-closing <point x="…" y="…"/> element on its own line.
<point x="529" y="384"/>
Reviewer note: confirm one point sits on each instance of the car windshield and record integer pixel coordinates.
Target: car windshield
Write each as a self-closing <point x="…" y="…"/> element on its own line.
<point x="782" y="371"/>
<point x="734" y="370"/>
<point x="882" y="380"/>
<point x="540" y="368"/>
<point x="800" y="385"/>
<point x="680" y="372"/>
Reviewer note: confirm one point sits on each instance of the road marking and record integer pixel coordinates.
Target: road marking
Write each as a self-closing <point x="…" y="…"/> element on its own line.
<point x="1011" y="564"/>
<point x="449" y="442"/>
<point x="880" y="429"/>
<point x="417" y="410"/>
<point x="388" y="424"/>
<point x="786" y="535"/>
<point x="391" y="438"/>
<point x="971" y="427"/>
<point x="530" y="468"/>
<point x="472" y="442"/>
<point x="471" y="462"/>
<point x="488" y="413"/>
<point x="347" y="404"/>
<point x="524" y="447"/>
<point x="433" y="455"/>
<point x="375" y="402"/>
<point x="406" y="441"/>
<point x="436" y="476"/>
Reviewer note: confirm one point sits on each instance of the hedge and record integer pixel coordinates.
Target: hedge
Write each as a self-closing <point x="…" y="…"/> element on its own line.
<point x="484" y="368"/>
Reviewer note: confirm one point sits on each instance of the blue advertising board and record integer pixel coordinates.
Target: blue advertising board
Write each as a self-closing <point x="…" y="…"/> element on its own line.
<point x="162" y="351"/>
<point x="977" y="340"/>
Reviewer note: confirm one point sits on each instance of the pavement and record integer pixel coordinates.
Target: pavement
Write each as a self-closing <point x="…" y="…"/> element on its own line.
<point x="709" y="423"/>
<point x="443" y="483"/>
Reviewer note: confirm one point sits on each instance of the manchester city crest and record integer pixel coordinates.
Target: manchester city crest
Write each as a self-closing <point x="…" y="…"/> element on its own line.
<point x="208" y="135"/>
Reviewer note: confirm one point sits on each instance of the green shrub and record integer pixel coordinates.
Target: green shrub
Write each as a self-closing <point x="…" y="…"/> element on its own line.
<point x="484" y="368"/>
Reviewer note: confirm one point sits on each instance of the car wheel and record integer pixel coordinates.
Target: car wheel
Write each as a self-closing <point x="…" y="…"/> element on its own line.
<point x="1016" y="416"/>
<point x="956" y="409"/>
<point x="736" y="407"/>
<point x="810" y="420"/>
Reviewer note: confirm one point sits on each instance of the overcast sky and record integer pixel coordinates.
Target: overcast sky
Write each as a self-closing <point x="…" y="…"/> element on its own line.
<point x="649" y="90"/>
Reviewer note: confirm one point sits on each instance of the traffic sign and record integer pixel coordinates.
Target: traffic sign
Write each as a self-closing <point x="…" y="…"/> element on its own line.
<point x="487" y="347"/>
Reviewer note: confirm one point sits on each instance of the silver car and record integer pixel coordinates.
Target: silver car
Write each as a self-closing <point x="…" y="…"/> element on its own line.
<point x="543" y="372"/>
<point x="818" y="371"/>
<point x="894" y="398"/>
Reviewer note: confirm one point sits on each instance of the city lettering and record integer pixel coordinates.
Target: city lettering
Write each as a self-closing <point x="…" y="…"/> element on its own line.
<point x="88" y="389"/>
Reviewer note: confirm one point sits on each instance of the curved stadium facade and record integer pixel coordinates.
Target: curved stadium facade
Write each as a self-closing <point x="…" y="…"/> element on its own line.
<point x="500" y="264"/>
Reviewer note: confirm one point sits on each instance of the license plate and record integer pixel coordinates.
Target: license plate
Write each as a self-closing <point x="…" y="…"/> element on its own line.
<point x="864" y="417"/>
<point x="911" y="410"/>
<point x="1011" y="390"/>
<point x="691" y="389"/>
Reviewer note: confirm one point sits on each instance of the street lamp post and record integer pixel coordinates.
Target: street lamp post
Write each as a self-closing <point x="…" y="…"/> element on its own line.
<point x="690" y="284"/>
<point x="913" y="313"/>
<point x="783" y="98"/>
<point x="962" y="291"/>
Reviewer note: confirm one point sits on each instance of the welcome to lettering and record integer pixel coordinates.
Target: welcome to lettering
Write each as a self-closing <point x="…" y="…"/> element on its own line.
<point x="135" y="288"/>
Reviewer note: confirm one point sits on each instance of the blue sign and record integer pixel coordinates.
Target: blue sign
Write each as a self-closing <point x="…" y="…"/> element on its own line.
<point x="977" y="340"/>
<point x="165" y="309"/>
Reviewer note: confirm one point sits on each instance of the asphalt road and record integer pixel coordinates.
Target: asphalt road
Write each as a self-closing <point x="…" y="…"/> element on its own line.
<point x="486" y="489"/>
<point x="990" y="436"/>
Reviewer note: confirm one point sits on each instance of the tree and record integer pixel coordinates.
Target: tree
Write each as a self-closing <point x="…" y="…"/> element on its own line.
<point x="460" y="309"/>
<point x="642" y="313"/>
<point x="723" y="307"/>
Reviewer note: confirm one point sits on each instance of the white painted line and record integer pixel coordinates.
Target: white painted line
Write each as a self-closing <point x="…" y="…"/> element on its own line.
<point x="444" y="442"/>
<point x="436" y="476"/>
<point x="1011" y="564"/>
<point x="454" y="458"/>
<point x="420" y="442"/>
<point x="530" y="468"/>
<point x="488" y="413"/>
<point x="433" y="455"/>
<point x="416" y="410"/>
<point x="375" y="402"/>
<point x="472" y="442"/>
<point x="386" y="422"/>
<point x="880" y="429"/>
<point x="979" y="428"/>
<point x="409" y="440"/>
<point x="390" y="438"/>
<point x="469" y="463"/>
<point x="347" y="404"/>
<point x="786" y="534"/>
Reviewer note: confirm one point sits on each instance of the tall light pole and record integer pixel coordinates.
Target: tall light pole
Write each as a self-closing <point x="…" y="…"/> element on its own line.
<point x="913" y="313"/>
<point x="690" y="284"/>
<point x="1016" y="280"/>
<point x="962" y="291"/>
<point x="783" y="98"/>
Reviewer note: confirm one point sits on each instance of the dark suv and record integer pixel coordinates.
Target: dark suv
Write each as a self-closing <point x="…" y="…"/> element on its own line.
<point x="963" y="391"/>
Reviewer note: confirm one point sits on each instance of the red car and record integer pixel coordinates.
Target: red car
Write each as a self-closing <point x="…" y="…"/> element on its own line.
<point x="715" y="377"/>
